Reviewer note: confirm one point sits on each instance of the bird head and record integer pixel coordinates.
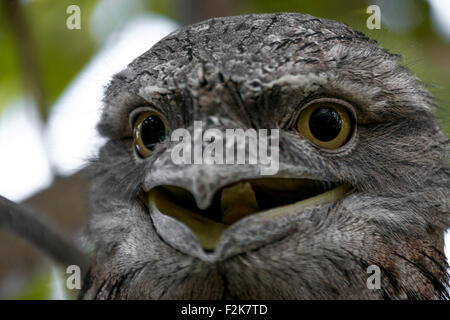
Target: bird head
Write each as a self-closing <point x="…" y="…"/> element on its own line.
<point x="357" y="168"/>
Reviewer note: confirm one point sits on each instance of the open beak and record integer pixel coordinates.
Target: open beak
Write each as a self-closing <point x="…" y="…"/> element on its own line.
<point x="267" y="198"/>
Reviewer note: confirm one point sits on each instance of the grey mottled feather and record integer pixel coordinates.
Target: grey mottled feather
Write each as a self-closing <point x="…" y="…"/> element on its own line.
<point x="258" y="71"/>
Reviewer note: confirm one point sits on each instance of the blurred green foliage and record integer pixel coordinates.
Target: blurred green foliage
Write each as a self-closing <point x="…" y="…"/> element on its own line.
<point x="61" y="53"/>
<point x="9" y="75"/>
<point x="39" y="287"/>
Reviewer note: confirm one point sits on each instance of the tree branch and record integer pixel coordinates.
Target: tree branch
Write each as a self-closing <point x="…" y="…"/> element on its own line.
<point x="28" y="224"/>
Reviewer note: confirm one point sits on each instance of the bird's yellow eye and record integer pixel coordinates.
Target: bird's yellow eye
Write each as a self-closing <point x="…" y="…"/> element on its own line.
<point x="149" y="129"/>
<point x="326" y="124"/>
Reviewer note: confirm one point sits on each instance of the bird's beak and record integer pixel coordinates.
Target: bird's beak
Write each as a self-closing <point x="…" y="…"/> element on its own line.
<point x="267" y="198"/>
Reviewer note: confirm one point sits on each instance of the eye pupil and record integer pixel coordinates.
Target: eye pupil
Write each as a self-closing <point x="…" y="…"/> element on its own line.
<point x="328" y="125"/>
<point x="153" y="131"/>
<point x="325" y="123"/>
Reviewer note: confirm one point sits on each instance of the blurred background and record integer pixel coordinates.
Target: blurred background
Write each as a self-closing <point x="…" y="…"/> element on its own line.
<point x="52" y="78"/>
